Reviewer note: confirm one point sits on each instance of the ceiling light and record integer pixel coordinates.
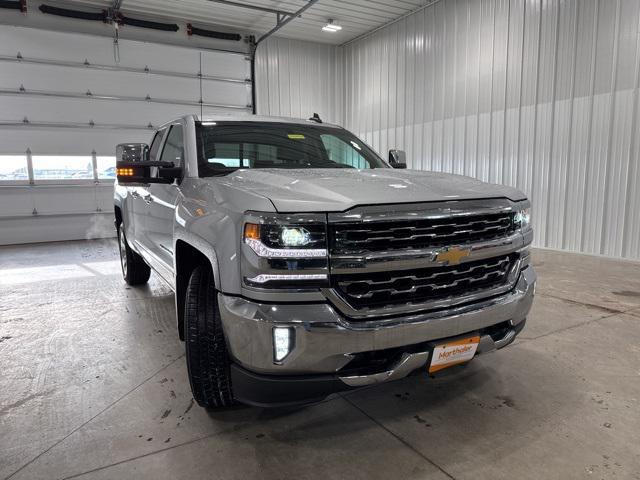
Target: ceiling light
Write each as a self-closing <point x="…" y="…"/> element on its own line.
<point x="331" y="27"/>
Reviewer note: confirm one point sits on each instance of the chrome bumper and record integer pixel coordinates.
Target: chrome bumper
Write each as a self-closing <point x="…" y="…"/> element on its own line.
<point x="325" y="341"/>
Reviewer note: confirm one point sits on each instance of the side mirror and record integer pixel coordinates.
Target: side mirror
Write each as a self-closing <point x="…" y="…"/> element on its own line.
<point x="133" y="166"/>
<point x="398" y="158"/>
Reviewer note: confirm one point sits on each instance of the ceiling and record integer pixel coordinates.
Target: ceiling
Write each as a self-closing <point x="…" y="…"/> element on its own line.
<point x="355" y="16"/>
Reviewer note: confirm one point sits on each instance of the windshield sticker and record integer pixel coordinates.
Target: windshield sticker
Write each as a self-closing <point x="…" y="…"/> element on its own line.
<point x="295" y="136"/>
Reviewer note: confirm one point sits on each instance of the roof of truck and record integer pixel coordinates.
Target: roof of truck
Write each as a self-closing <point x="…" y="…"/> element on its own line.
<point x="259" y="118"/>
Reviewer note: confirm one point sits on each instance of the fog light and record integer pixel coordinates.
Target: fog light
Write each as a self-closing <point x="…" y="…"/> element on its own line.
<point x="282" y="342"/>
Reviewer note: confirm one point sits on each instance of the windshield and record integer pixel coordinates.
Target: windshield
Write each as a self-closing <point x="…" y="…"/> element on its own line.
<point x="227" y="146"/>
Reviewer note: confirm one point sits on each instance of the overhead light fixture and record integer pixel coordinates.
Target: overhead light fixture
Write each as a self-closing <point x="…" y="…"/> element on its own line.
<point x="331" y="27"/>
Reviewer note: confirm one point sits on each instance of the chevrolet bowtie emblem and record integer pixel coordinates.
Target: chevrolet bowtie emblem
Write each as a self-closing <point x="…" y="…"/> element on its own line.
<point x="452" y="255"/>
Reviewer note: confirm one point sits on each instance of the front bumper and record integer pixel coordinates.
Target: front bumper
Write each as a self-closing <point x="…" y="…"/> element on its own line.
<point x="326" y="342"/>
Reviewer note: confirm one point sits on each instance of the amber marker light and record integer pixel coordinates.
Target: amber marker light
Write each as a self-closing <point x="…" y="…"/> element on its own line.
<point x="252" y="231"/>
<point x="124" y="172"/>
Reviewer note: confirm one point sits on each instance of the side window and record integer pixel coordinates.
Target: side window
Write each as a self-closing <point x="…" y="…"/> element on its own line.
<point x="173" y="150"/>
<point x="342" y="152"/>
<point x="155" y="145"/>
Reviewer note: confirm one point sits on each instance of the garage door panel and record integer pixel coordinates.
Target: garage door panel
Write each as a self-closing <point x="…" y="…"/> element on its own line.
<point x="15" y="201"/>
<point x="61" y="79"/>
<point x="56" y="79"/>
<point x="226" y="93"/>
<point x="67" y="141"/>
<point x="104" y="197"/>
<point x="225" y="65"/>
<point x="83" y="111"/>
<point x="43" y="44"/>
<point x="158" y="57"/>
<point x="34" y="43"/>
<point x="64" y="200"/>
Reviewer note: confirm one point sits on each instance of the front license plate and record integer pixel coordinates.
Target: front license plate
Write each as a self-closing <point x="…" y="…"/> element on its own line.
<point x="452" y="353"/>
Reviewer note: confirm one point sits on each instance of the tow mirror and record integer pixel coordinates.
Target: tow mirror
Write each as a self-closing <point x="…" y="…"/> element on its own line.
<point x="133" y="166"/>
<point x="398" y="158"/>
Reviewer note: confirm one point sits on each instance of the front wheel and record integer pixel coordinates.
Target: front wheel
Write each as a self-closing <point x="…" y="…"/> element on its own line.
<point x="134" y="270"/>
<point x="206" y="350"/>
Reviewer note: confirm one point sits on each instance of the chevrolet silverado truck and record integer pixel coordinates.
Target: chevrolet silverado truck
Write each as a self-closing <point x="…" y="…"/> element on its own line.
<point x="304" y="264"/>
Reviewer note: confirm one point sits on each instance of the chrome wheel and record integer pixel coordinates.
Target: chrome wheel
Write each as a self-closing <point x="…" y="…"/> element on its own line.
<point x="123" y="251"/>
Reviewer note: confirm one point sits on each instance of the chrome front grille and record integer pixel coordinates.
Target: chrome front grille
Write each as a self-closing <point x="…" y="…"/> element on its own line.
<point x="402" y="258"/>
<point x="421" y="285"/>
<point x="420" y="233"/>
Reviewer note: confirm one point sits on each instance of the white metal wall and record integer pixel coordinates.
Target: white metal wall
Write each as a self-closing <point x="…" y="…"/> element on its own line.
<point x="296" y="79"/>
<point x="538" y="94"/>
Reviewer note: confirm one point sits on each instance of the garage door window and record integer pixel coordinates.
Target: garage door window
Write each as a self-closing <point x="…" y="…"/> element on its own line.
<point x="67" y="167"/>
<point x="13" y="168"/>
<point x="106" y="167"/>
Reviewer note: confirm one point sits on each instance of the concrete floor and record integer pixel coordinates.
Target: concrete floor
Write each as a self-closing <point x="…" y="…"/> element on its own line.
<point x="93" y="384"/>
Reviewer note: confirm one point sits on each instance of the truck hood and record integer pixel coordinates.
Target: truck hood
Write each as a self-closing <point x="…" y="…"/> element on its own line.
<point x="315" y="190"/>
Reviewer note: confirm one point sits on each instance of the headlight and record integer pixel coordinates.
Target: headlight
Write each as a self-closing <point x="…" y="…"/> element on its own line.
<point x="285" y="251"/>
<point x="522" y="221"/>
<point x="282" y="241"/>
<point x="295" y="236"/>
<point x="523" y="218"/>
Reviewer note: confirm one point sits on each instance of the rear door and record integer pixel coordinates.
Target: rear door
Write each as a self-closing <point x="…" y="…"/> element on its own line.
<point x="162" y="200"/>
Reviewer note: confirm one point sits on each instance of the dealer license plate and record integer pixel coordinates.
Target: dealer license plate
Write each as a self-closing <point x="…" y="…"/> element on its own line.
<point x="453" y="353"/>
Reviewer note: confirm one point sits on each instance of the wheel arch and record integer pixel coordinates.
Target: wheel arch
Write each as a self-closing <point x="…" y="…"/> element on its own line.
<point x="187" y="257"/>
<point x="118" y="216"/>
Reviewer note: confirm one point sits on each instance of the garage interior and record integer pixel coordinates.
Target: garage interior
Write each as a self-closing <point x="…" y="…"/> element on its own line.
<point x="541" y="95"/>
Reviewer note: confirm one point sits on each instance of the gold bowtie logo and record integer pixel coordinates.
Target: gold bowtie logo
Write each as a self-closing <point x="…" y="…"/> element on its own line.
<point x="452" y="255"/>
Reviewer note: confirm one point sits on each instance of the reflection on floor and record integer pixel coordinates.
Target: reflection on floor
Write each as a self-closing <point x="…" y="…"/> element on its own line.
<point x="94" y="385"/>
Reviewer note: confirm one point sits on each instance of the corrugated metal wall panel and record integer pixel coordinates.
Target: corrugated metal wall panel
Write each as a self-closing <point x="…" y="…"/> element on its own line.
<point x="296" y="79"/>
<point x="541" y="95"/>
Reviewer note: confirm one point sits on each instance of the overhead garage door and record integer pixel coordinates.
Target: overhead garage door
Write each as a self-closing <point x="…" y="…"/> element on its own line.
<point x="67" y="99"/>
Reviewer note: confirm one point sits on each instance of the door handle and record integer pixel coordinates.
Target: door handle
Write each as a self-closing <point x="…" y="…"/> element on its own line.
<point x="148" y="198"/>
<point x="135" y="194"/>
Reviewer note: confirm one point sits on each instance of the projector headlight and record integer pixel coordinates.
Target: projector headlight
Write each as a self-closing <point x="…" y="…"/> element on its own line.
<point x="283" y="241"/>
<point x="295" y="236"/>
<point x="285" y="251"/>
<point x="522" y="215"/>
<point x="522" y="222"/>
<point x="523" y="218"/>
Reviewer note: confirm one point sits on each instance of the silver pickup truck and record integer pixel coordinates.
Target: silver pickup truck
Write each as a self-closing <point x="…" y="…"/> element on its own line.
<point x="303" y="264"/>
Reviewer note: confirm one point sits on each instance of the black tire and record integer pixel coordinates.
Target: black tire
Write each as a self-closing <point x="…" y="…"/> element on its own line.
<point x="134" y="270"/>
<point x="206" y="350"/>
